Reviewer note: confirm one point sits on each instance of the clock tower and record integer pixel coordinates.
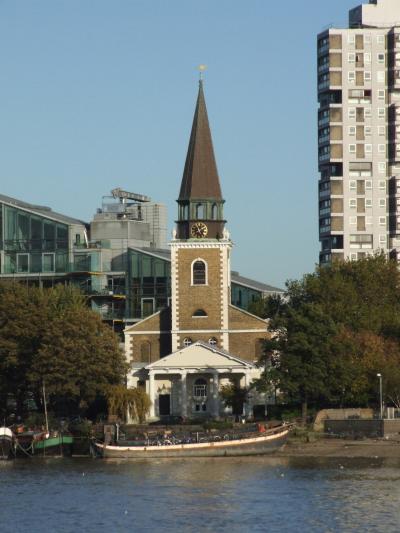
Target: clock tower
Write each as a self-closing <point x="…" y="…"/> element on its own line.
<point x="200" y="250"/>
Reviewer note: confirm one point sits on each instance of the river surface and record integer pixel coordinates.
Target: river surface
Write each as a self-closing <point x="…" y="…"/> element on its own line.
<point x="222" y="494"/>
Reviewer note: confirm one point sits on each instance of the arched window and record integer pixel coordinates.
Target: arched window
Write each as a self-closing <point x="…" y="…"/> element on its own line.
<point x="187" y="342"/>
<point x="214" y="212"/>
<point x="212" y="341"/>
<point x="199" y="272"/>
<point x="199" y="211"/>
<point x="200" y="388"/>
<point x="199" y="313"/>
<point x="145" y="352"/>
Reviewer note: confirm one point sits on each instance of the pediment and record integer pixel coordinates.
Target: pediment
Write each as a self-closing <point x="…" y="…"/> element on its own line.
<point x="201" y="355"/>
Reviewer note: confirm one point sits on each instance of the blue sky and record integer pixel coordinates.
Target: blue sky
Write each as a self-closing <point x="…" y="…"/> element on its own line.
<point x="99" y="94"/>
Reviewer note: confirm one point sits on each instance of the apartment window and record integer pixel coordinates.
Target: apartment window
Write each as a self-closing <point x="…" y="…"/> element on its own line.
<point x="368" y="148"/>
<point x="368" y="202"/>
<point x="380" y="76"/>
<point x="382" y="221"/>
<point x="367" y="131"/>
<point x="367" y="76"/>
<point x="382" y="167"/>
<point x="352" y="185"/>
<point x="381" y="94"/>
<point x="367" y="112"/>
<point x="382" y="184"/>
<point x="381" y="112"/>
<point x="22" y="262"/>
<point x="352" y="148"/>
<point x="382" y="202"/>
<point x="367" y="58"/>
<point x="367" y="38"/>
<point x="351" y="57"/>
<point x="382" y="148"/>
<point x="381" y="58"/>
<point x="380" y="39"/>
<point x="368" y="184"/>
<point x="352" y="220"/>
<point x="351" y="38"/>
<point x="382" y="239"/>
<point x="351" y="76"/>
<point x="352" y="130"/>
<point x="352" y="202"/>
<point x="352" y="112"/>
<point x="381" y="130"/>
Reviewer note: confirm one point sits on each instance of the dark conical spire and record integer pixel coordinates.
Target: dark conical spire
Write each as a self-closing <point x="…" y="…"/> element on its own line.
<point x="200" y="176"/>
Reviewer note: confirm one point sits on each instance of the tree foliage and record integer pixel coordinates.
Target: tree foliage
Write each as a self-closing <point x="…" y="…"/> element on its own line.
<point x="234" y="396"/>
<point x="51" y="336"/>
<point x="334" y="330"/>
<point x="133" y="402"/>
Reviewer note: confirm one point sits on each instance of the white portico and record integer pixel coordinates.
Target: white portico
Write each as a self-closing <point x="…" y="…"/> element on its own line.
<point x="187" y="382"/>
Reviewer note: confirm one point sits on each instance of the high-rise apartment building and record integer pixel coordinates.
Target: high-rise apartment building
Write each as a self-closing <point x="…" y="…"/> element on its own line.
<point x="359" y="134"/>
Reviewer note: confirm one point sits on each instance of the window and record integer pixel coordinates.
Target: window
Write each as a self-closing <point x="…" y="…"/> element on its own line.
<point x="351" y="76"/>
<point x="212" y="341"/>
<point x="352" y="130"/>
<point x="22" y="262"/>
<point x="199" y="211"/>
<point x="381" y="94"/>
<point x="368" y="184"/>
<point x="368" y="148"/>
<point x="382" y="167"/>
<point x="382" y="184"/>
<point x="187" y="342"/>
<point x="381" y="112"/>
<point x="351" y="38"/>
<point x="367" y="58"/>
<point x="200" y="389"/>
<point x="352" y="112"/>
<point x="382" y="202"/>
<point x="367" y="76"/>
<point x="367" y="38"/>
<point x="367" y="131"/>
<point x="381" y="58"/>
<point x="147" y="307"/>
<point x="380" y="76"/>
<point x="214" y="212"/>
<point x="352" y="202"/>
<point x="367" y="112"/>
<point x="368" y="202"/>
<point x="351" y="57"/>
<point x="352" y="148"/>
<point x="381" y="130"/>
<point x="382" y="148"/>
<point x="199" y="272"/>
<point x="382" y="221"/>
<point x="380" y="39"/>
<point x="77" y="239"/>
<point x="382" y="239"/>
<point x="199" y="313"/>
<point x="352" y="185"/>
<point x="48" y="262"/>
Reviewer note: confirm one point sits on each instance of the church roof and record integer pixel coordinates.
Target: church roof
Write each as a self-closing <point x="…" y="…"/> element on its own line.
<point x="200" y="176"/>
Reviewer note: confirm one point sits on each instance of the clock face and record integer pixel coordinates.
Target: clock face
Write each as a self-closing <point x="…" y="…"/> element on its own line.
<point x="199" y="230"/>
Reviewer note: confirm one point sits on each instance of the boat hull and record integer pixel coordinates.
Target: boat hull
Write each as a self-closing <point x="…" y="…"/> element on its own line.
<point x="60" y="445"/>
<point x="259" y="445"/>
<point x="7" y="448"/>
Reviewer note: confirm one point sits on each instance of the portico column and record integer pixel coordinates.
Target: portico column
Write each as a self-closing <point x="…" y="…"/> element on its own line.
<point x="246" y="405"/>
<point x="183" y="394"/>
<point x="216" y="394"/>
<point x="152" y="412"/>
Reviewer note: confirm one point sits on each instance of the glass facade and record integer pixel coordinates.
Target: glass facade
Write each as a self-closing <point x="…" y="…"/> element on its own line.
<point x="242" y="296"/>
<point x="31" y="243"/>
<point x="149" y="284"/>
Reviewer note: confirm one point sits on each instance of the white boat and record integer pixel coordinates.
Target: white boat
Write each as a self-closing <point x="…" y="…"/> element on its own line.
<point x="247" y="444"/>
<point x="7" y="443"/>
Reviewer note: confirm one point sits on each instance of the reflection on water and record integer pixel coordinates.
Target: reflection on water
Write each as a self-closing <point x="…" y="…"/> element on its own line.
<point x="221" y="494"/>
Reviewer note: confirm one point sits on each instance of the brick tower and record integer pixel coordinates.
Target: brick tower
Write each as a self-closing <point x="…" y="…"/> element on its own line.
<point x="200" y="250"/>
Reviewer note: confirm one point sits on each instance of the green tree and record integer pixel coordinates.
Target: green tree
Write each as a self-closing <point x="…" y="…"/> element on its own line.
<point x="134" y="402"/>
<point x="234" y="396"/>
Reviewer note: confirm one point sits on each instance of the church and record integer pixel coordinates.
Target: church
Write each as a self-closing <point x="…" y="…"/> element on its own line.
<point x="186" y="352"/>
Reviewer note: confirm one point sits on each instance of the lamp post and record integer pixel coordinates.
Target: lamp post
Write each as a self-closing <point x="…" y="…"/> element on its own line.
<point x="380" y="394"/>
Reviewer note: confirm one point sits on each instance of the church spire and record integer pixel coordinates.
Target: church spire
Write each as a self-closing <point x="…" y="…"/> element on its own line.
<point x="200" y="176"/>
<point x="200" y="197"/>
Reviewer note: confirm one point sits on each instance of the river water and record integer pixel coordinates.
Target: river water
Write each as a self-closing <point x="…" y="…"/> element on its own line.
<point x="222" y="494"/>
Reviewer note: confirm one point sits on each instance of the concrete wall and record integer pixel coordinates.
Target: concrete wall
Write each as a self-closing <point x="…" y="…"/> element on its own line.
<point x="340" y="414"/>
<point x="363" y="428"/>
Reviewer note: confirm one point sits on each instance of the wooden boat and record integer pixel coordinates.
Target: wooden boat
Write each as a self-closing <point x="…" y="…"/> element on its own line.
<point x="41" y="443"/>
<point x="7" y="443"/>
<point x="236" y="445"/>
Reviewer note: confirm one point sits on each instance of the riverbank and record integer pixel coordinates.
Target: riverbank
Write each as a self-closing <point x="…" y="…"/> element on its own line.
<point x="331" y="447"/>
